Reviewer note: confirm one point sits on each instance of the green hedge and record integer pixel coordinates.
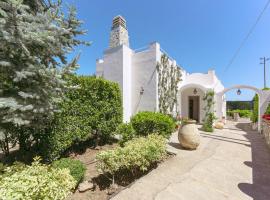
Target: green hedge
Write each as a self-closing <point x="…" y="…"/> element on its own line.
<point x="37" y="181"/>
<point x="242" y="113"/>
<point x="126" y="131"/>
<point x="77" y="168"/>
<point x="254" y="117"/>
<point x="92" y="106"/>
<point x="239" y="105"/>
<point x="138" y="153"/>
<point x="145" y="123"/>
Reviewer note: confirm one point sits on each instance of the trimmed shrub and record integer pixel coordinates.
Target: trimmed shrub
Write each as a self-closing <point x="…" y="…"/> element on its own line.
<point x="254" y="116"/>
<point x="145" y="123"/>
<point x="37" y="181"/>
<point x="138" y="153"/>
<point x="126" y="131"/>
<point x="242" y="113"/>
<point x="92" y="108"/>
<point x="77" y="168"/>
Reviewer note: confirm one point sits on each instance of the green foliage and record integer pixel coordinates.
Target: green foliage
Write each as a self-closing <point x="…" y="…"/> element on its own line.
<point x="242" y="113"/>
<point x="92" y="108"/>
<point x="138" y="153"/>
<point x="267" y="112"/>
<point x="209" y="111"/>
<point x="15" y="167"/>
<point x="33" y="43"/>
<point x="2" y="168"/>
<point x="254" y="117"/>
<point x="145" y="123"/>
<point x="126" y="132"/>
<point x="37" y="181"/>
<point x="239" y="105"/>
<point x="168" y="78"/>
<point x="77" y="168"/>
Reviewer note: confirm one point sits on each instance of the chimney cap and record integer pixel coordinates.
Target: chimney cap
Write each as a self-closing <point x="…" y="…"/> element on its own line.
<point x="119" y="21"/>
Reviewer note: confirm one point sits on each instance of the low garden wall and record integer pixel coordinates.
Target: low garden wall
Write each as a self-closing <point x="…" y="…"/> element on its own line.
<point x="266" y="131"/>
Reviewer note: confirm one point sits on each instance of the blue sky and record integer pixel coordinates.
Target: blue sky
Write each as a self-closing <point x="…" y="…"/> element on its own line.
<point x="198" y="34"/>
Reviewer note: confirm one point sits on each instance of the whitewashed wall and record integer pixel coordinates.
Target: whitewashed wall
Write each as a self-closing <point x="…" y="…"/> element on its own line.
<point x="116" y="66"/>
<point x="134" y="70"/>
<point x="145" y="76"/>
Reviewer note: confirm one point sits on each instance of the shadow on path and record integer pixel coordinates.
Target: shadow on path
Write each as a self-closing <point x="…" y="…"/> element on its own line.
<point x="226" y="139"/>
<point x="260" y="188"/>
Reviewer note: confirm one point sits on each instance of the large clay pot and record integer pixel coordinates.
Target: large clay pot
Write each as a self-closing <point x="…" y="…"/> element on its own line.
<point x="188" y="135"/>
<point x="219" y="125"/>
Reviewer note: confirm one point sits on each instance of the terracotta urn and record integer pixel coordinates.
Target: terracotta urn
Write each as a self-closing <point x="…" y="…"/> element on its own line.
<point x="188" y="135"/>
<point x="219" y="125"/>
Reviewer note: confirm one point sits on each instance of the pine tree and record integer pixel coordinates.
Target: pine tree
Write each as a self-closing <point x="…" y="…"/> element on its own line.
<point x="35" y="37"/>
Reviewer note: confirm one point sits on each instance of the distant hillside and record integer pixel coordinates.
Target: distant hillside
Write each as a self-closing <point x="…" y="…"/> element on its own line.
<point x="242" y="105"/>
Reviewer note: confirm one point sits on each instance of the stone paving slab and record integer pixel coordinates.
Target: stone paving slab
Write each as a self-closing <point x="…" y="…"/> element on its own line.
<point x="233" y="163"/>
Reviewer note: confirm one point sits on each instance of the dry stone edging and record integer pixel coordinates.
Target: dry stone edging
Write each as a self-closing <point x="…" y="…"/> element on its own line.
<point x="84" y="186"/>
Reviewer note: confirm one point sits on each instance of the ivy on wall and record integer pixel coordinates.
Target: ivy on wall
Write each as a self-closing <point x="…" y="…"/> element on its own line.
<point x="168" y="78"/>
<point x="209" y="111"/>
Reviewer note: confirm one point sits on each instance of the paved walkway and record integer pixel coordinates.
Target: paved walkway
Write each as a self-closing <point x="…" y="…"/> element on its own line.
<point x="233" y="163"/>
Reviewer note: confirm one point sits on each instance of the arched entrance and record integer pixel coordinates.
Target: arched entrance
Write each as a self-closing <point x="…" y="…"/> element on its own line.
<point x="264" y="97"/>
<point x="191" y="101"/>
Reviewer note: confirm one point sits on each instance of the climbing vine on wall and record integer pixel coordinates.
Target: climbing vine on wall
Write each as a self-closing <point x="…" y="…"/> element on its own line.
<point x="169" y="76"/>
<point x="209" y="111"/>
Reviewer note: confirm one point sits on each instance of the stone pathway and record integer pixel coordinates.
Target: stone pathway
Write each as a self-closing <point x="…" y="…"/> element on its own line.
<point x="233" y="163"/>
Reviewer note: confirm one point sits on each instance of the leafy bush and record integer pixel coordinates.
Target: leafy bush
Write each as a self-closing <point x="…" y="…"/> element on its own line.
<point x="77" y="168"/>
<point x="92" y="108"/>
<point x="2" y="168"/>
<point x="242" y="113"/>
<point x="37" y="181"/>
<point x="267" y="112"/>
<point x="126" y="131"/>
<point x="138" y="153"/>
<point x="254" y="116"/>
<point x="32" y="69"/>
<point x="15" y="167"/>
<point x="145" y="123"/>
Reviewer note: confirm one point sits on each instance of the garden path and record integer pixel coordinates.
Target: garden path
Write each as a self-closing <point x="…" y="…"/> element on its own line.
<point x="233" y="163"/>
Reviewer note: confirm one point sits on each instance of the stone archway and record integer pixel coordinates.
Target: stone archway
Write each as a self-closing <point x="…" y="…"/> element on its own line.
<point x="264" y="98"/>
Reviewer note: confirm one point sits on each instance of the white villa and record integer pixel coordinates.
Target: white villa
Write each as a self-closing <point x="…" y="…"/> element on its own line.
<point x="137" y="74"/>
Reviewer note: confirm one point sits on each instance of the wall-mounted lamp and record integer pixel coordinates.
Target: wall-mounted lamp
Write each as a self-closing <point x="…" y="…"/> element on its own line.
<point x="195" y="91"/>
<point x="238" y="92"/>
<point x="141" y="91"/>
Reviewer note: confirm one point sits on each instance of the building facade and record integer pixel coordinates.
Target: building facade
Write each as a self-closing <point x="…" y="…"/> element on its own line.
<point x="136" y="73"/>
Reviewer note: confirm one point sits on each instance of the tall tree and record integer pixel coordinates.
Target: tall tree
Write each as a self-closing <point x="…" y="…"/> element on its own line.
<point x="35" y="37"/>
